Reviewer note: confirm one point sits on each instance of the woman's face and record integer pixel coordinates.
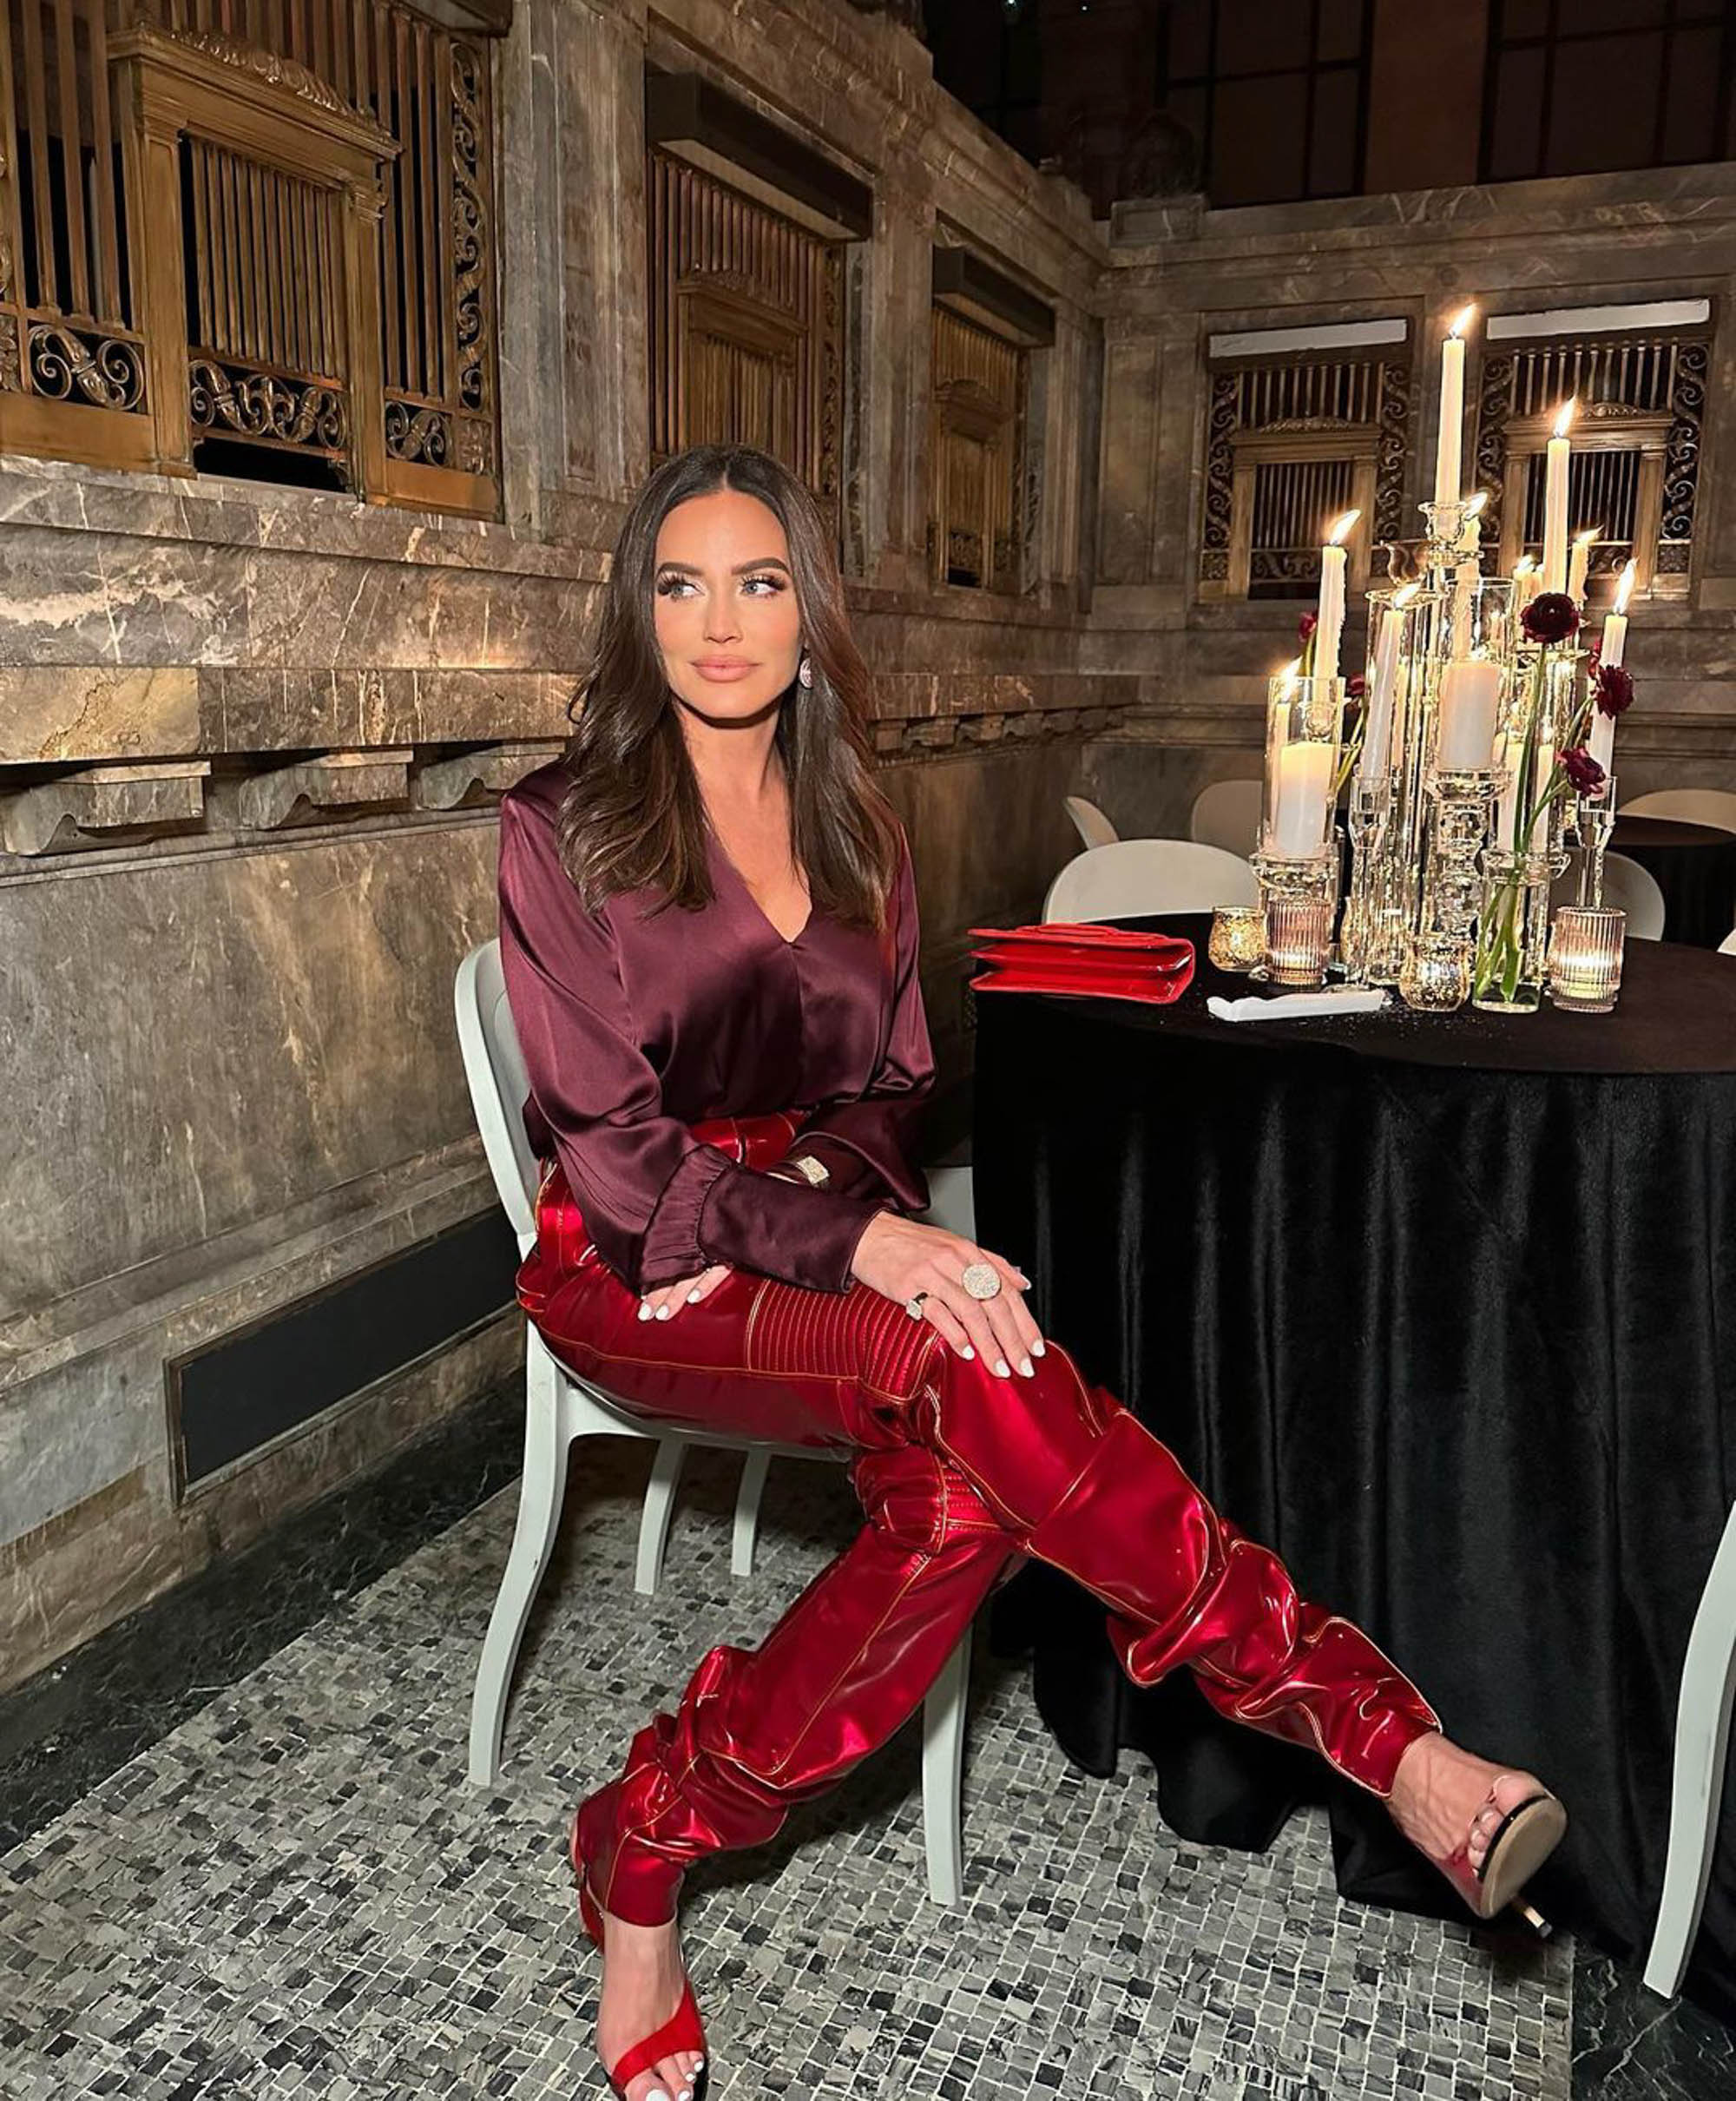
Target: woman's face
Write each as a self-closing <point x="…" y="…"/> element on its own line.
<point x="727" y="621"/>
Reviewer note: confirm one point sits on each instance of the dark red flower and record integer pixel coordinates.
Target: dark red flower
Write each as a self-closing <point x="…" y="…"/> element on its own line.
<point x="1305" y="626"/>
<point x="1583" y="770"/>
<point x="1551" y="616"/>
<point x="1614" y="688"/>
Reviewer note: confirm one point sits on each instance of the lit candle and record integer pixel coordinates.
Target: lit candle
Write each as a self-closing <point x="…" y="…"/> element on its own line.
<point x="1555" y="502"/>
<point x="1329" y="631"/>
<point x="1580" y="561"/>
<point x="1471" y="532"/>
<point x="1524" y="582"/>
<point x="1383" y="683"/>
<point x="1470" y="695"/>
<point x="1610" y="651"/>
<point x="1451" y="435"/>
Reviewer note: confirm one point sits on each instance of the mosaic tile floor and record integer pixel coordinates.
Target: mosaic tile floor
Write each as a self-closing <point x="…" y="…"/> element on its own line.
<point x="295" y="1894"/>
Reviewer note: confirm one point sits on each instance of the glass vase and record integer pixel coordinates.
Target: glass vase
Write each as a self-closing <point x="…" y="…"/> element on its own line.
<point x="1513" y="926"/>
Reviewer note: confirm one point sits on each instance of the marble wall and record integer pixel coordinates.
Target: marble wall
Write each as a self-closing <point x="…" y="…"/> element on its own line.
<point x="1179" y="273"/>
<point x="251" y="740"/>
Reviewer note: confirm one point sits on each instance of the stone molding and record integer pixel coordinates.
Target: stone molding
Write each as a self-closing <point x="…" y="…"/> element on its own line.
<point x="103" y="805"/>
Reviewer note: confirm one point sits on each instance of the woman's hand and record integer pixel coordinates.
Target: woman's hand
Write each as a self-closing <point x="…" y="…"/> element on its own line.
<point x="899" y="1257"/>
<point x="668" y="1299"/>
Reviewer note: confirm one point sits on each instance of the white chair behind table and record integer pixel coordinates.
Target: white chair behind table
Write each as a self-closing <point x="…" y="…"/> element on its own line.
<point x="1149" y="875"/>
<point x="1708" y="1689"/>
<point x="1687" y="806"/>
<point x="1093" y="827"/>
<point x="1727" y="945"/>
<point x="560" y="1408"/>
<point x="1634" y="890"/>
<point x="1228" y="814"/>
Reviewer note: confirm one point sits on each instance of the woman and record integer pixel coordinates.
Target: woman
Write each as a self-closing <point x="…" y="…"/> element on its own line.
<point x="709" y="933"/>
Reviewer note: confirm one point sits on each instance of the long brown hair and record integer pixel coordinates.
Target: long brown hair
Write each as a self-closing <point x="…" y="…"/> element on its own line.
<point x="634" y="815"/>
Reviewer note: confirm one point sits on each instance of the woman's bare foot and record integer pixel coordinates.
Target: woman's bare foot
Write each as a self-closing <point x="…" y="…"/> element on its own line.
<point x="1441" y="1794"/>
<point x="642" y="1977"/>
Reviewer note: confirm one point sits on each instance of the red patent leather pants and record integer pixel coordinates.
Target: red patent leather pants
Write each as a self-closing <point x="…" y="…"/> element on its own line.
<point x="958" y="1473"/>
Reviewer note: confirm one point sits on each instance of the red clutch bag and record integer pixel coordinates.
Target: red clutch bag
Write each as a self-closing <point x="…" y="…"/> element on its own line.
<point x="1083" y="961"/>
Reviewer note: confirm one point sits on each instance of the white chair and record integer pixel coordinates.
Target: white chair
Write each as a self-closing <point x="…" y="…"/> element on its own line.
<point x="1149" y="875"/>
<point x="1708" y="1689"/>
<point x="1093" y="827"/>
<point x="1687" y="806"/>
<point x="1634" y="891"/>
<point x="1226" y="815"/>
<point x="1727" y="945"/>
<point x="559" y="1408"/>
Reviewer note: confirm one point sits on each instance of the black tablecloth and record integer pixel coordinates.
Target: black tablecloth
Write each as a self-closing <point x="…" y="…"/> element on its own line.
<point x="1445" y="1310"/>
<point x="1695" y="865"/>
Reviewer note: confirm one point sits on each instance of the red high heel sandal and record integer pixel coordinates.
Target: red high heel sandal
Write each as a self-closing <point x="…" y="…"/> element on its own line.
<point x="1524" y="1840"/>
<point x="682" y="2030"/>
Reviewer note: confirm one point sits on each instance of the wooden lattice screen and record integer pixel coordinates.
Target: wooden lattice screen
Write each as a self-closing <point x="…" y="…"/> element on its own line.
<point x="976" y="445"/>
<point x="745" y="326"/>
<point x="1635" y="470"/>
<point x="358" y="143"/>
<point x="1290" y="444"/>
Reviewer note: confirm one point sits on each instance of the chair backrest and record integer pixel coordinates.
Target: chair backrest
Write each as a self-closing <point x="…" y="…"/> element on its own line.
<point x="1226" y="815"/>
<point x="494" y="1066"/>
<point x="1149" y="875"/>
<point x="1089" y="821"/>
<point x="1689" y="805"/>
<point x="1634" y="890"/>
<point x="1727" y="945"/>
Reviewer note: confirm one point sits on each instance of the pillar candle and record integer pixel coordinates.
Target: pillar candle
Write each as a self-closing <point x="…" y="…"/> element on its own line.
<point x="1329" y="634"/>
<point x="1304" y="788"/>
<point x="1470" y="694"/>
<point x="1449" y="437"/>
<point x="1555" y="503"/>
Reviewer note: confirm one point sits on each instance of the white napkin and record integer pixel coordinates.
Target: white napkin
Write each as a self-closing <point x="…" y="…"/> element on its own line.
<point x="1286" y="1006"/>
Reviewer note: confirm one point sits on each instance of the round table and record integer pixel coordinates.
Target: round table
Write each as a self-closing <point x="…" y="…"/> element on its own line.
<point x="1444" y="1310"/>
<point x="1695" y="865"/>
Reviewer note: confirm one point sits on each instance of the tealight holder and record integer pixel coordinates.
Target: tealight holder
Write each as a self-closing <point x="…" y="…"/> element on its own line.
<point x="1299" y="939"/>
<point x="1435" y="976"/>
<point x="1585" y="958"/>
<point x="1238" y="937"/>
<point x="1304" y="731"/>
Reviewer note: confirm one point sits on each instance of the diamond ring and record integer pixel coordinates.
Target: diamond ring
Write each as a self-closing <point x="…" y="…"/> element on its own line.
<point x="913" y="1306"/>
<point x="981" y="1280"/>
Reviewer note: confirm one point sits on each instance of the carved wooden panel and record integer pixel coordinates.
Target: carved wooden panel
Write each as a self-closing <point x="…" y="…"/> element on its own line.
<point x="1635" y="470"/>
<point x="1288" y="446"/>
<point x="745" y="326"/>
<point x="976" y="530"/>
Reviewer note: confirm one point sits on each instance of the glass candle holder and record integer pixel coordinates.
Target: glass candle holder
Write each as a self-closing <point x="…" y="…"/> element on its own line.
<point x="1435" y="976"/>
<point x="1303" y="727"/>
<point x="1299" y="939"/>
<point x="1585" y="958"/>
<point x="1238" y="941"/>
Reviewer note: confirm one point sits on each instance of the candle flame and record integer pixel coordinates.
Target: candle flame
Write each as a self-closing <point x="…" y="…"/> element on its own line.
<point x="1463" y="320"/>
<point x="1569" y="408"/>
<point x="1474" y="509"/>
<point x="1625" y="586"/>
<point x="1341" y="528"/>
<point x="1523" y="567"/>
<point x="1404" y="595"/>
<point x="1585" y="539"/>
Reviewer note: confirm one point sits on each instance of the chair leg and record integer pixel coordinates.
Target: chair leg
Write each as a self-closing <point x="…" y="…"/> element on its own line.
<point x="541" y="1492"/>
<point x="1708" y="1689"/>
<point x="943" y="1714"/>
<point x="745" y="1533"/>
<point x="660" y="1507"/>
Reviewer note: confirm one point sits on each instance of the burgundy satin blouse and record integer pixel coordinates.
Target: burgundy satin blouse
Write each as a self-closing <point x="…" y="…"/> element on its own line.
<point x="635" y="1024"/>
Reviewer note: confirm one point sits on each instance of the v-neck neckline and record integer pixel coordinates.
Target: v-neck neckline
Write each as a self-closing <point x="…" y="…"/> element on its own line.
<point x="783" y="940"/>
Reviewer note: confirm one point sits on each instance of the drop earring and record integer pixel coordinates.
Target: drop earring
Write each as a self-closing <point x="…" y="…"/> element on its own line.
<point x="804" y="671"/>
